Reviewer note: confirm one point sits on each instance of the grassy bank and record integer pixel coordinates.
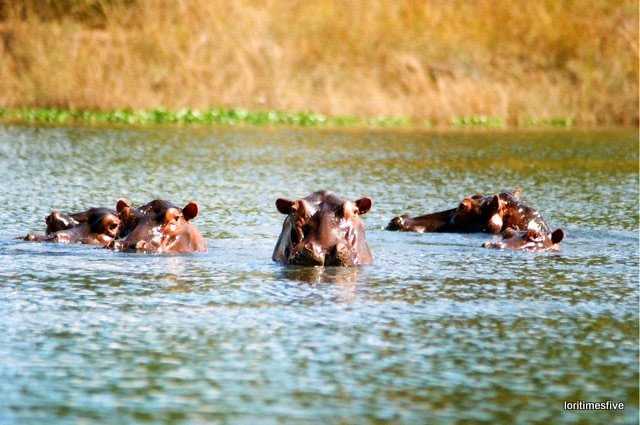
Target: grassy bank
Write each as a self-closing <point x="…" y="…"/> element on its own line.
<point x="441" y="62"/>
<point x="239" y="116"/>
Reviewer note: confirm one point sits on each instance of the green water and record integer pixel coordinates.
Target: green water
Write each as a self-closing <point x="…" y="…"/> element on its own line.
<point x="437" y="330"/>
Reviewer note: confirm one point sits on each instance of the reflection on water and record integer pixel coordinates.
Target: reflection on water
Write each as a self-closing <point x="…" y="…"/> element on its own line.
<point x="314" y="275"/>
<point x="437" y="330"/>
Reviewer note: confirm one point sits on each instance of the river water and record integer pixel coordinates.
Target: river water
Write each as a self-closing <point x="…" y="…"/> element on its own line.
<point x="437" y="330"/>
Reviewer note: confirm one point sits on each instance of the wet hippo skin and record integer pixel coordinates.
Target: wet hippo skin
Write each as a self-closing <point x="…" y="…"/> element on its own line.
<point x="130" y="216"/>
<point x="57" y="221"/>
<point x="96" y="226"/>
<point x="476" y="213"/>
<point x="323" y="229"/>
<point x="160" y="226"/>
<point x="528" y="240"/>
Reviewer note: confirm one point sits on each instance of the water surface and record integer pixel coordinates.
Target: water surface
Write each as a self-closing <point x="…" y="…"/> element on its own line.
<point x="438" y="330"/>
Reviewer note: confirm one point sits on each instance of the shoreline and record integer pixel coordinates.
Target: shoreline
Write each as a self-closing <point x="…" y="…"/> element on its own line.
<point x="240" y="117"/>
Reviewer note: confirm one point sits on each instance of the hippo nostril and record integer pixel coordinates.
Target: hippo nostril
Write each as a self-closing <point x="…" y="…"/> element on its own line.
<point x="308" y="255"/>
<point x="341" y="255"/>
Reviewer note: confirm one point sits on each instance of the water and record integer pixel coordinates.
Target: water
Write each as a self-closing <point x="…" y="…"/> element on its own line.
<point x="438" y="330"/>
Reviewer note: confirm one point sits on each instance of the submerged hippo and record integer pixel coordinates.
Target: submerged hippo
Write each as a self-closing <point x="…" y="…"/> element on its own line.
<point x="161" y="227"/>
<point x="130" y="216"/>
<point x="96" y="226"/>
<point x="477" y="213"/>
<point x="323" y="229"/>
<point x="517" y="215"/>
<point x="528" y="240"/>
<point x="521" y="226"/>
<point x="57" y="221"/>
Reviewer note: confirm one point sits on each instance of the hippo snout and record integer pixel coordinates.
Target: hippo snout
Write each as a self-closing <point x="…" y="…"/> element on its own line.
<point x="396" y="223"/>
<point x="308" y="255"/>
<point x="342" y="255"/>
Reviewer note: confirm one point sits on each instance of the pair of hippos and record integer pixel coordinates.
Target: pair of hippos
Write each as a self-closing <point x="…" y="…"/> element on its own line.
<point x="322" y="229"/>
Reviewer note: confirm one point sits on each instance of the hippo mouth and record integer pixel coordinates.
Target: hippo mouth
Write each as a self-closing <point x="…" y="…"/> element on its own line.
<point x="341" y="254"/>
<point x="307" y="257"/>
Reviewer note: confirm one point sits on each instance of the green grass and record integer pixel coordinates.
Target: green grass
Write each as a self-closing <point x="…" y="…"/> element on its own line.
<point x="558" y="122"/>
<point x="478" y="121"/>
<point x="240" y="116"/>
<point x="216" y="116"/>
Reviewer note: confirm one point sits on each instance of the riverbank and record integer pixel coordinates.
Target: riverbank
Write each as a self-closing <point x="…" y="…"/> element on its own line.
<point x="436" y="62"/>
<point x="239" y="116"/>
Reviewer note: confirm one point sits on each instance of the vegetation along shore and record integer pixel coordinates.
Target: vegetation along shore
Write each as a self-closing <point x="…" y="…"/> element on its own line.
<point x="239" y="116"/>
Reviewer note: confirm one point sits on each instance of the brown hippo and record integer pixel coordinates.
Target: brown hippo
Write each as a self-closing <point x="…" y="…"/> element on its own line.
<point x="528" y="240"/>
<point x="323" y="229"/>
<point x="477" y="213"/>
<point x="161" y="227"/>
<point x="57" y="220"/>
<point x="129" y="216"/>
<point x="96" y="226"/>
<point x="516" y="215"/>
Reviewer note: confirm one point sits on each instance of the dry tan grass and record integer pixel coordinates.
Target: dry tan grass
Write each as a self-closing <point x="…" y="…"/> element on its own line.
<point x="425" y="59"/>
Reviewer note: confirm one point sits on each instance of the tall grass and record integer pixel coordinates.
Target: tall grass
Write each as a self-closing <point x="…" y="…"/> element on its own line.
<point x="519" y="61"/>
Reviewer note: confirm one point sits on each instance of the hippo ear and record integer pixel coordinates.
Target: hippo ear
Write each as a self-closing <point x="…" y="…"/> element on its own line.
<point x="494" y="204"/>
<point x="190" y="211"/>
<point x="122" y="204"/>
<point x="364" y="205"/>
<point x="284" y="206"/>
<point x="557" y="236"/>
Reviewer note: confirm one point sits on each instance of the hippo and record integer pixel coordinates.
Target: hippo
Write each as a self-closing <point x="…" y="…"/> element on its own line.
<point x="516" y="215"/>
<point x="477" y="213"/>
<point x="528" y="240"/>
<point x="57" y="221"/>
<point x="129" y="216"/>
<point x="323" y="229"/>
<point x="96" y="226"/>
<point x="161" y="227"/>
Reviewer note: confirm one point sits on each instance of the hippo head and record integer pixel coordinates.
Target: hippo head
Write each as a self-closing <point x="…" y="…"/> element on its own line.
<point x="527" y="240"/>
<point x="104" y="221"/>
<point x="479" y="213"/>
<point x="96" y="226"/>
<point x="100" y="221"/>
<point x="398" y="223"/>
<point x="323" y="230"/>
<point x="57" y="221"/>
<point x="161" y="226"/>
